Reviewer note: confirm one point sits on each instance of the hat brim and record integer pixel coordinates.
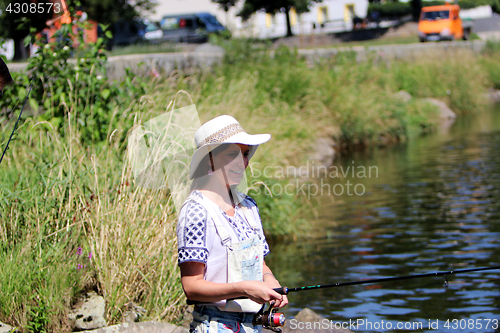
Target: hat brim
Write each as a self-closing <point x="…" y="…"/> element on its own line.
<point x="252" y="140"/>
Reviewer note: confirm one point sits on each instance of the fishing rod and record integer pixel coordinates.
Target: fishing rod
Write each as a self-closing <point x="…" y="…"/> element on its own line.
<point x="285" y="290"/>
<point x="17" y="121"/>
<point x="273" y="320"/>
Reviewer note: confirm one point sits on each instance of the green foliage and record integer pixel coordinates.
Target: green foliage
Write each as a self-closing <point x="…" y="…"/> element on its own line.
<point x="78" y="86"/>
<point x="110" y="11"/>
<point x="466" y="4"/>
<point x="491" y="64"/>
<point x="492" y="47"/>
<point x="391" y="9"/>
<point x="239" y="51"/>
<point x="40" y="318"/>
<point x="399" y="9"/>
<point x="60" y="192"/>
<point x="252" y="6"/>
<point x="225" y="5"/>
<point x="445" y="79"/>
<point x="280" y="206"/>
<point x="16" y="23"/>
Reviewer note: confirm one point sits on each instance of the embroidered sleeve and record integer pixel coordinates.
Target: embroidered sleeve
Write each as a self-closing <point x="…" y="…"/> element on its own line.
<point x="253" y="206"/>
<point x="192" y="234"/>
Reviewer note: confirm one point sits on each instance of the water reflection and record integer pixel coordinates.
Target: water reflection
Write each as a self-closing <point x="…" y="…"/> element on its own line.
<point x="434" y="207"/>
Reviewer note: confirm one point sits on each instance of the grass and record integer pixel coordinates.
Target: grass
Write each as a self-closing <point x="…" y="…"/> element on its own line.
<point x="143" y="49"/>
<point x="58" y="194"/>
<point x="71" y="198"/>
<point x="397" y="40"/>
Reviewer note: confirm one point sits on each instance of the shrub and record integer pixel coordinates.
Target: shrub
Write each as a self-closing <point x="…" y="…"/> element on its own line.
<point x="466" y="4"/>
<point x="79" y="86"/>
<point x="390" y="9"/>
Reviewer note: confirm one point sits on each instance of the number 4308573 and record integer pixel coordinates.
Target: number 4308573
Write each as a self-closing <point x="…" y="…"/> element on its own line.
<point x="33" y="8"/>
<point x="471" y="324"/>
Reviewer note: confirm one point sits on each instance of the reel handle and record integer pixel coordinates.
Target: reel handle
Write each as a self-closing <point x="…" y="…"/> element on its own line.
<point x="281" y="290"/>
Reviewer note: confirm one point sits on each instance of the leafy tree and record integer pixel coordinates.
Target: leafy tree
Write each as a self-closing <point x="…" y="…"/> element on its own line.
<point x="111" y="11"/>
<point x="252" y="6"/>
<point x="416" y="7"/>
<point x="17" y="26"/>
<point x="225" y="4"/>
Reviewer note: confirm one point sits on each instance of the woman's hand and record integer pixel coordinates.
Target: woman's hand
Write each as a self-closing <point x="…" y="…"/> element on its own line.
<point x="260" y="292"/>
<point x="271" y="281"/>
<point x="197" y="289"/>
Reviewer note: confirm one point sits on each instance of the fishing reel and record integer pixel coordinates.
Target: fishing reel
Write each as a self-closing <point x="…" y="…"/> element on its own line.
<point x="270" y="319"/>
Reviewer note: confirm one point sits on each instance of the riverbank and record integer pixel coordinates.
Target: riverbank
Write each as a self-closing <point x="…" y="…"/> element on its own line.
<point x="73" y="221"/>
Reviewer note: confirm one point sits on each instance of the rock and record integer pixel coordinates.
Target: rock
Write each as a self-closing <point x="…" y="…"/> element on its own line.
<point x="494" y="95"/>
<point x="324" y="151"/>
<point x="209" y="48"/>
<point x="403" y="95"/>
<point x="4" y="328"/>
<point x="89" y="313"/>
<point x="308" y="321"/>
<point x="445" y="112"/>
<point x="144" y="327"/>
<point x="308" y="315"/>
<point x="133" y="313"/>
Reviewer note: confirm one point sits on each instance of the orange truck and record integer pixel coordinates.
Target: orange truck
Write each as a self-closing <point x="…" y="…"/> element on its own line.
<point x="443" y="23"/>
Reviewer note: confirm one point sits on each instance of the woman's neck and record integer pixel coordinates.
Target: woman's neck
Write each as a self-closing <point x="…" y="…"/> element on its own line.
<point x="219" y="193"/>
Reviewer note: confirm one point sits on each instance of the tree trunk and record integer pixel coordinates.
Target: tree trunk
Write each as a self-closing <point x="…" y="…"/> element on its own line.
<point x="20" y="52"/>
<point x="288" y="25"/>
<point x="417" y="7"/>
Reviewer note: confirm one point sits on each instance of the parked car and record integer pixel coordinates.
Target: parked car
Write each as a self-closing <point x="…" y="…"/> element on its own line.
<point x="128" y="32"/>
<point x="190" y="27"/>
<point x="153" y="32"/>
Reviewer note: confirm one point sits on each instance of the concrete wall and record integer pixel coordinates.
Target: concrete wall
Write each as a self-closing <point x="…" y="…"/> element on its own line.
<point x="166" y="62"/>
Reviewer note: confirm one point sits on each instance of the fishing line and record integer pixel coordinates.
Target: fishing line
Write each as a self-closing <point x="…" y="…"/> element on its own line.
<point x="17" y="121"/>
<point x="285" y="290"/>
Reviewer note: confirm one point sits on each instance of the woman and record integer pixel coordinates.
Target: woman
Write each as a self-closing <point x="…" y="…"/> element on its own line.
<point x="5" y="77"/>
<point x="220" y="237"/>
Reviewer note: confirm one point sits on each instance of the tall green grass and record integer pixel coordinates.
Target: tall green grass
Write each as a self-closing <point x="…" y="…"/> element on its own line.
<point x="59" y="193"/>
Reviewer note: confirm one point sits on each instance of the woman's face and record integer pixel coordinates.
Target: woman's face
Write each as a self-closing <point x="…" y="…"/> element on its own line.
<point x="232" y="161"/>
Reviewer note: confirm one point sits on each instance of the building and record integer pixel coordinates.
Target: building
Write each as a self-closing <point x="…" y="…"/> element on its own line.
<point x="324" y="17"/>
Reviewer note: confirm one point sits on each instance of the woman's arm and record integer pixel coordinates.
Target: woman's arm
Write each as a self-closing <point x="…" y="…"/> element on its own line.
<point x="198" y="289"/>
<point x="272" y="282"/>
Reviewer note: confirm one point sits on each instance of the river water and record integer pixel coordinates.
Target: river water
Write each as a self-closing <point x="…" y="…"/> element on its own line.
<point x="433" y="205"/>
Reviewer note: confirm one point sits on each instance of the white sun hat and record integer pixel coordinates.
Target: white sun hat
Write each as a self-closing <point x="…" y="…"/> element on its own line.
<point x="222" y="130"/>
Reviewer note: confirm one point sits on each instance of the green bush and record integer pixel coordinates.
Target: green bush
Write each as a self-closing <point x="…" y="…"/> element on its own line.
<point x="444" y="77"/>
<point x="466" y="4"/>
<point x="61" y="85"/>
<point x="391" y="9"/>
<point x="490" y="62"/>
<point x="59" y="193"/>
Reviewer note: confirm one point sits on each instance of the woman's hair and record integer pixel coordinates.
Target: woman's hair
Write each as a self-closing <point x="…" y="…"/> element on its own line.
<point x="5" y="77"/>
<point x="199" y="178"/>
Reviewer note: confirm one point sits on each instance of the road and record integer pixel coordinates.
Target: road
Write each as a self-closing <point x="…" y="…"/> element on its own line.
<point x="487" y="24"/>
<point x="488" y="28"/>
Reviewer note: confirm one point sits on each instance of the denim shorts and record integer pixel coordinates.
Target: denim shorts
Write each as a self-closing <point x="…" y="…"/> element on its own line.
<point x="209" y="319"/>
